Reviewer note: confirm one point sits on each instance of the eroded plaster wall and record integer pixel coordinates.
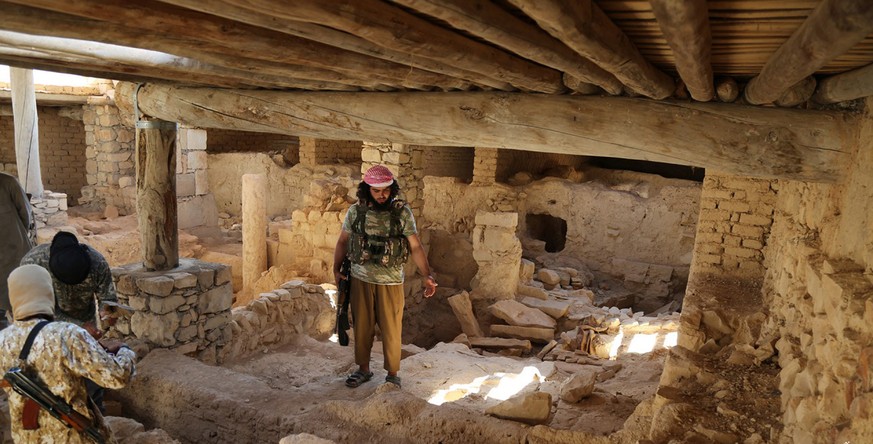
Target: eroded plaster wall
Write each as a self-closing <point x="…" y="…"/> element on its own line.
<point x="818" y="287"/>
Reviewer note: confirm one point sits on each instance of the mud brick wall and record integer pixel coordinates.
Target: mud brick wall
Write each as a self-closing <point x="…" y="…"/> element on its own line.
<point x="110" y="160"/>
<point x="485" y="166"/>
<point x="510" y="162"/>
<point x="327" y="152"/>
<point x="61" y="151"/>
<point x="736" y="214"/>
<point x="449" y="161"/>
<point x="230" y="141"/>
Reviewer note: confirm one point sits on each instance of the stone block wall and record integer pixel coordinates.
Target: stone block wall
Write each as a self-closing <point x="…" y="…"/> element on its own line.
<point x="327" y="152"/>
<point x="50" y="209"/>
<point x="110" y="162"/>
<point x="407" y="164"/>
<point x="736" y="214"/>
<point x="186" y="309"/>
<point x="196" y="205"/>
<point x="449" y="161"/>
<point x="275" y="317"/>
<point x="309" y="243"/>
<point x="61" y="151"/>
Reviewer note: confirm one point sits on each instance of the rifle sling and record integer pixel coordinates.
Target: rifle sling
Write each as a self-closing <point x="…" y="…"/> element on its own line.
<point x="30" y="413"/>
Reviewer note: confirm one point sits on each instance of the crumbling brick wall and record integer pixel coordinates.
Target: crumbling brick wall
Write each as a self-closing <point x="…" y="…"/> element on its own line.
<point x="230" y="141"/>
<point x="449" y="161"/>
<point x="61" y="151"/>
<point x="326" y="152"/>
<point x="734" y="223"/>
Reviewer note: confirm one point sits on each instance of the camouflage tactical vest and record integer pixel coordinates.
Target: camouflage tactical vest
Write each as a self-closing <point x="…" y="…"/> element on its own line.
<point x="387" y="251"/>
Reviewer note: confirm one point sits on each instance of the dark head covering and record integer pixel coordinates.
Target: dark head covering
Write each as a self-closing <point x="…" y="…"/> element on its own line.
<point x="69" y="260"/>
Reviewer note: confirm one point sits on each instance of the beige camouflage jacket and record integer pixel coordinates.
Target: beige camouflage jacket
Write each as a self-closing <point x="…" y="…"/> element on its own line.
<point x="62" y="355"/>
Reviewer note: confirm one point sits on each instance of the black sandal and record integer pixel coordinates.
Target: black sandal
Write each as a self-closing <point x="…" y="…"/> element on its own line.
<point x="357" y="378"/>
<point x="394" y="379"/>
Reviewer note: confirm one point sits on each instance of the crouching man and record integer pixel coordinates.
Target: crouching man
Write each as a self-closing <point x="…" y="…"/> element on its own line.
<point x="60" y="356"/>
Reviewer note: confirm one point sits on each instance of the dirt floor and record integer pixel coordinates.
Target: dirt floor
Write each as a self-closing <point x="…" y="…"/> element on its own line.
<point x="308" y="375"/>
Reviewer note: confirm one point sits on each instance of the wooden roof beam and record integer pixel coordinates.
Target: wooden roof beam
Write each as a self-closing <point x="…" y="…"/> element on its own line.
<point x="744" y="140"/>
<point x="234" y="40"/>
<point x="332" y="37"/>
<point x="32" y="21"/>
<point x="846" y="86"/>
<point x="490" y="22"/>
<point x="586" y="29"/>
<point x="685" y="25"/>
<point x="393" y="28"/>
<point x="832" y="28"/>
<point x="114" y="59"/>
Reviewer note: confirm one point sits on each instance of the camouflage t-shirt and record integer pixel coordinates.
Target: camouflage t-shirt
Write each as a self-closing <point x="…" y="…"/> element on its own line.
<point x="378" y="223"/>
<point x="61" y="357"/>
<point x="76" y="303"/>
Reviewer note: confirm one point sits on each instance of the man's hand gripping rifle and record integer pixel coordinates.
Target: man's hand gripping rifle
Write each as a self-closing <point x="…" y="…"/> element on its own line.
<point x="343" y="296"/>
<point x="52" y="404"/>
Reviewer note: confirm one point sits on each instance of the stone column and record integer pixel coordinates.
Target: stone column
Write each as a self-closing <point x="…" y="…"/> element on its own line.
<point x="156" y="193"/>
<point x="497" y="250"/>
<point x="254" y="214"/>
<point x="485" y="166"/>
<point x="26" y="131"/>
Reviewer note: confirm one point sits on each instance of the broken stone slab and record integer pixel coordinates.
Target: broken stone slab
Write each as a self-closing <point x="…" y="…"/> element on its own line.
<point x="549" y="277"/>
<point x="579" y="386"/>
<point x="553" y="308"/>
<point x="463" y="310"/>
<point x="407" y="350"/>
<point x="526" y="270"/>
<point x="532" y="408"/>
<point x="534" y="334"/>
<point x="500" y="343"/>
<point x="462" y="339"/>
<point x="533" y="292"/>
<point x="304" y="438"/>
<point x="549" y="347"/>
<point x="518" y="314"/>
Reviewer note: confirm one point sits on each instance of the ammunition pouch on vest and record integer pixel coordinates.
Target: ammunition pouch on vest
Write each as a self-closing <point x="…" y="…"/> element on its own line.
<point x="387" y="251"/>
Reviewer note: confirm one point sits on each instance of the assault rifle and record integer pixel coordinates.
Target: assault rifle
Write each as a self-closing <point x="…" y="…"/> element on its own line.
<point x="343" y="296"/>
<point x="52" y="404"/>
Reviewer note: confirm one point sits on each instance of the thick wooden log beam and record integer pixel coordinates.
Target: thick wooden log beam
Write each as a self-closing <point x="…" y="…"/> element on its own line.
<point x="586" y="29"/>
<point x="151" y="64"/>
<point x="685" y="25"/>
<point x="143" y="24"/>
<point x="329" y="36"/>
<point x="156" y="194"/>
<point x="727" y="89"/>
<point x="846" y="86"/>
<point x="797" y="94"/>
<point x="832" y="28"/>
<point x="490" y="22"/>
<point x="751" y="141"/>
<point x="394" y="28"/>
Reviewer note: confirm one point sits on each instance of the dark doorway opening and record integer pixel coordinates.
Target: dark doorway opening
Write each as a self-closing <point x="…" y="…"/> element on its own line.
<point x="552" y="230"/>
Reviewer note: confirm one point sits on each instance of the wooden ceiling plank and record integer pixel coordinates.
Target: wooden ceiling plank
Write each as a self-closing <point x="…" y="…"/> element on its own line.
<point x="744" y="140"/>
<point x="685" y="24"/>
<point x="831" y="29"/>
<point x="583" y="27"/>
<point x="391" y="27"/>
<point x="33" y="21"/>
<point x="846" y="86"/>
<point x="243" y="40"/>
<point x="488" y="21"/>
<point x="152" y="64"/>
<point x="332" y="37"/>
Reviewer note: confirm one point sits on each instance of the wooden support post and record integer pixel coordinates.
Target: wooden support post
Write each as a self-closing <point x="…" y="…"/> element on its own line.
<point x="254" y="213"/>
<point x="156" y="194"/>
<point x="26" y="131"/>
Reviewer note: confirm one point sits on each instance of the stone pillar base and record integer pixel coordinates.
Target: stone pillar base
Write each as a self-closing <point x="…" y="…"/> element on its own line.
<point x="186" y="309"/>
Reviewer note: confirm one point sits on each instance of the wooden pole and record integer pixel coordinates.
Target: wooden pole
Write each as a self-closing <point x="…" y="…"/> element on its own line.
<point x="846" y="86"/>
<point x="832" y="28"/>
<point x="26" y="131"/>
<point x="685" y="24"/>
<point x="156" y="194"/>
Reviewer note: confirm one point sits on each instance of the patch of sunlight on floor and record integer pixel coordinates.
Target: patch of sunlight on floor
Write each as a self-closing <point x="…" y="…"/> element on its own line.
<point x="506" y="386"/>
<point x="333" y="338"/>
<point x="642" y="343"/>
<point x="671" y="339"/>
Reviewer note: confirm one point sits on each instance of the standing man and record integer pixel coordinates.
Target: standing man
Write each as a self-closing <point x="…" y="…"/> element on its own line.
<point x="378" y="236"/>
<point x="60" y="357"/>
<point x="15" y="220"/>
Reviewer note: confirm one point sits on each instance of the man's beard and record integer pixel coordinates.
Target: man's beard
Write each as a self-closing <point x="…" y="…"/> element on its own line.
<point x="381" y="206"/>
